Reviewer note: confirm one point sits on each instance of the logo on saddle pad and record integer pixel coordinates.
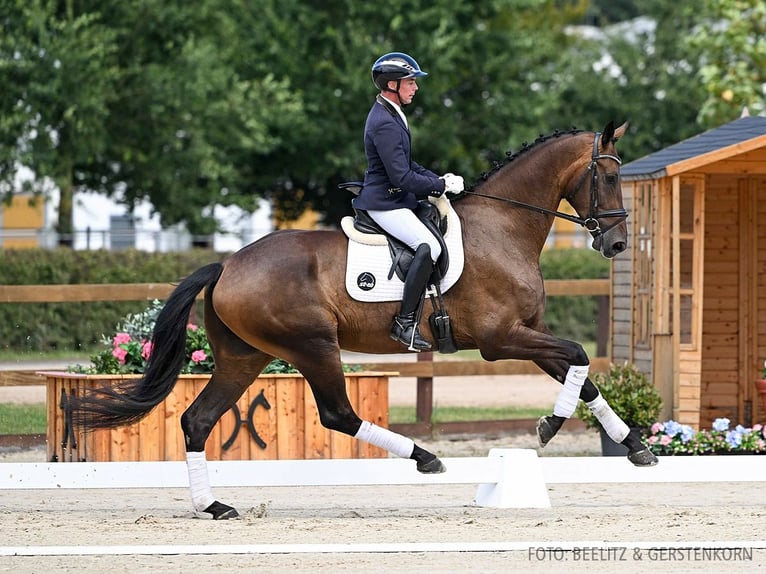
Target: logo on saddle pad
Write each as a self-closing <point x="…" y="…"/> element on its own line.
<point x="366" y="281"/>
<point x="368" y="263"/>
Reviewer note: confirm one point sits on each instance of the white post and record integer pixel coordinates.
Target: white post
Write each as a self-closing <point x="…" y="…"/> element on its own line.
<point x="521" y="483"/>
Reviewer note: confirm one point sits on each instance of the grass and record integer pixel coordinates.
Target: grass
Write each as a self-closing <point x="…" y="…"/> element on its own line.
<point x="13" y="356"/>
<point x="23" y="419"/>
<point x="400" y="415"/>
<point x="475" y="355"/>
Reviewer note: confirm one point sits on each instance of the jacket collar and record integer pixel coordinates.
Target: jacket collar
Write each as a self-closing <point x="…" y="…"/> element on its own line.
<point x="392" y="109"/>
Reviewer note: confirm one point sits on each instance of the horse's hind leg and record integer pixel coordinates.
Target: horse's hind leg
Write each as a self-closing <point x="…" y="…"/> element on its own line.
<point x="230" y="379"/>
<point x="615" y="427"/>
<point x="327" y="382"/>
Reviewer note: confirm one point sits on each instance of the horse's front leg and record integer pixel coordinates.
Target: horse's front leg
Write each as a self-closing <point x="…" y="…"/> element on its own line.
<point x="547" y="427"/>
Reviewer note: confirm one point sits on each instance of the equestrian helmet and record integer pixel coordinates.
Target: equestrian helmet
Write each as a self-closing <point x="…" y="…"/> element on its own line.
<point x="394" y="66"/>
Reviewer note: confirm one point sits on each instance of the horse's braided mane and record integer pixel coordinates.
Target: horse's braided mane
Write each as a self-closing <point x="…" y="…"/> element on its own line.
<point x="511" y="155"/>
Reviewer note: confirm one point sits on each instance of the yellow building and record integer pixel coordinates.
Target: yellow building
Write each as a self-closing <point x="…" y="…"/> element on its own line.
<point x="21" y="221"/>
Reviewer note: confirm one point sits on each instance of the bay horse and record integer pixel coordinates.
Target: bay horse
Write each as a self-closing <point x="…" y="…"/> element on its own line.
<point x="283" y="296"/>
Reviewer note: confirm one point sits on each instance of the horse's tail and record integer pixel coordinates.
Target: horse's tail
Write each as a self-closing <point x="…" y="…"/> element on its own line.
<point x="131" y="399"/>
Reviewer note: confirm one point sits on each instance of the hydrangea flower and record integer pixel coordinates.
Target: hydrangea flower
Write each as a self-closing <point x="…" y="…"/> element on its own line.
<point x="672" y="428"/>
<point x="721" y="424"/>
<point x="672" y="438"/>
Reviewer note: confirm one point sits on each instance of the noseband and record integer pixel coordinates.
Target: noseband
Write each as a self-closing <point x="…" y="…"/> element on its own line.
<point x="591" y="222"/>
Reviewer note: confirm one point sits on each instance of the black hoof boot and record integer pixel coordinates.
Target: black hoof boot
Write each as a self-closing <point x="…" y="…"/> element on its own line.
<point x="427" y="463"/>
<point x="547" y="427"/>
<point x="433" y="466"/>
<point x="643" y="457"/>
<point x="638" y="453"/>
<point x="221" y="511"/>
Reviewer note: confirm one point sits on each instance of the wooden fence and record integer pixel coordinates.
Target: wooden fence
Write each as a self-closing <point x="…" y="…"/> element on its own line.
<point x="424" y="369"/>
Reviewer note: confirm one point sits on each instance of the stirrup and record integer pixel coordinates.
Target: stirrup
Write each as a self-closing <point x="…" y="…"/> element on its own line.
<point x="405" y="330"/>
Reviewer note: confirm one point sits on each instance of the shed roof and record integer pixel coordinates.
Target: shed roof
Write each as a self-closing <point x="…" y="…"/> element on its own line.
<point x="728" y="140"/>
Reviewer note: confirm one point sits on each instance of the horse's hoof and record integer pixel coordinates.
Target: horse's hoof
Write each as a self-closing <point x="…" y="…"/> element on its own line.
<point x="433" y="466"/>
<point x="221" y="511"/>
<point x="545" y="431"/>
<point x="643" y="457"/>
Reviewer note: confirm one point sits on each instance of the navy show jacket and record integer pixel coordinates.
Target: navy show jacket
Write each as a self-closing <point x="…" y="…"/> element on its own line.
<point x="392" y="179"/>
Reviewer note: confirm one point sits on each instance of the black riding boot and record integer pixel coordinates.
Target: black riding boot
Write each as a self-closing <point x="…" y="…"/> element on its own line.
<point x="405" y="327"/>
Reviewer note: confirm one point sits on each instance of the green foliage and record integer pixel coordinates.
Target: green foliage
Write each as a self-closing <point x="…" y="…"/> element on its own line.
<point x="732" y="36"/>
<point x="279" y="366"/>
<point x="576" y="317"/>
<point x="42" y="327"/>
<point x="143" y="100"/>
<point x="193" y="104"/>
<point x="630" y="394"/>
<point x="128" y="349"/>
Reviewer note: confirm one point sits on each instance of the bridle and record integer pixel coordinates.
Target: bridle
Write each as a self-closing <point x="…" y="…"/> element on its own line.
<point x="591" y="222"/>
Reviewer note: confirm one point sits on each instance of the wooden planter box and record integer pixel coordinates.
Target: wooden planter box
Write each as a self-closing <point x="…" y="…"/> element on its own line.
<point x="277" y="419"/>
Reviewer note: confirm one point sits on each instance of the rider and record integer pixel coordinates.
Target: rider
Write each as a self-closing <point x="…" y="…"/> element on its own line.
<point x="393" y="184"/>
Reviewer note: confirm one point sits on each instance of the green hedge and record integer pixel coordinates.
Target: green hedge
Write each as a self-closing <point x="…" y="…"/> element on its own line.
<point x="41" y="327"/>
<point x="576" y="317"/>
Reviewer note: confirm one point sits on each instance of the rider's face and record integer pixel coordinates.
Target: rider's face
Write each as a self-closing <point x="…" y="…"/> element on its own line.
<point x="407" y="89"/>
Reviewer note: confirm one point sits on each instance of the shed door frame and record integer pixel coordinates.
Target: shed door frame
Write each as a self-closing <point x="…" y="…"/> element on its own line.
<point x="678" y="294"/>
<point x="749" y="361"/>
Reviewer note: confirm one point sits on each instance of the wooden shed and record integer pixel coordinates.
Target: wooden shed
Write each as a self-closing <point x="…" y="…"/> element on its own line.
<point x="689" y="295"/>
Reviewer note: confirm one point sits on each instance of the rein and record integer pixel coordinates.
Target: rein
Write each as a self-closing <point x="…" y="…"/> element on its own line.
<point x="591" y="223"/>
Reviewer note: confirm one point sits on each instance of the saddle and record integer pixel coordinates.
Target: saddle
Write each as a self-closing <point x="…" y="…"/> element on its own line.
<point x="401" y="253"/>
<point x="365" y="230"/>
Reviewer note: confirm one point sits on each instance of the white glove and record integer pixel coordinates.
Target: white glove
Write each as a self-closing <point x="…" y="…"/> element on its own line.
<point x="453" y="183"/>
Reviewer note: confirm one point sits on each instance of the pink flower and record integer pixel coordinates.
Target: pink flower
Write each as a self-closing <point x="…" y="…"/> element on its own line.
<point x="146" y="350"/>
<point x="657" y="427"/>
<point x="198" y="356"/>
<point x="757" y="427"/>
<point x="121" y="338"/>
<point x="652" y="439"/>
<point x="120" y="353"/>
<point x="665" y="440"/>
<point x="191" y="327"/>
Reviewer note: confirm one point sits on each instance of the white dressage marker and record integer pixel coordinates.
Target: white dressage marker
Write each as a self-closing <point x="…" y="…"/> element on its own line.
<point x="507" y="478"/>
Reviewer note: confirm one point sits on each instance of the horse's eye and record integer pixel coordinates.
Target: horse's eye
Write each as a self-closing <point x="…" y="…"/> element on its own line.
<point x="610" y="178"/>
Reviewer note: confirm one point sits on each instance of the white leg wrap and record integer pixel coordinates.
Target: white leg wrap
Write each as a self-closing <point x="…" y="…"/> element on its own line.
<point x="566" y="402"/>
<point x="385" y="439"/>
<point x="199" y="483"/>
<point x="614" y="426"/>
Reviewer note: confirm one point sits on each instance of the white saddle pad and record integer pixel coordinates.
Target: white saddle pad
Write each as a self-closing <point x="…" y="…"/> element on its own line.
<point x="368" y="266"/>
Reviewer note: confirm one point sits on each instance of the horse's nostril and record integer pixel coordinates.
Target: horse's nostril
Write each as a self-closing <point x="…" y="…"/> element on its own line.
<point x="620" y="246"/>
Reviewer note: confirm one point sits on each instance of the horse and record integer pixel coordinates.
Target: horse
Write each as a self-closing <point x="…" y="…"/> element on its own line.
<point x="283" y="296"/>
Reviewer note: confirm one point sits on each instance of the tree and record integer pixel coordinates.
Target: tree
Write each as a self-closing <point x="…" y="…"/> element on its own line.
<point x="192" y="105"/>
<point x="486" y="63"/>
<point x="731" y="39"/>
<point x="58" y="75"/>
<point x="140" y="102"/>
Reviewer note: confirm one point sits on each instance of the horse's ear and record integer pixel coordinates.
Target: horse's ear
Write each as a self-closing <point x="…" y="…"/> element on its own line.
<point x="620" y="131"/>
<point x="612" y="134"/>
